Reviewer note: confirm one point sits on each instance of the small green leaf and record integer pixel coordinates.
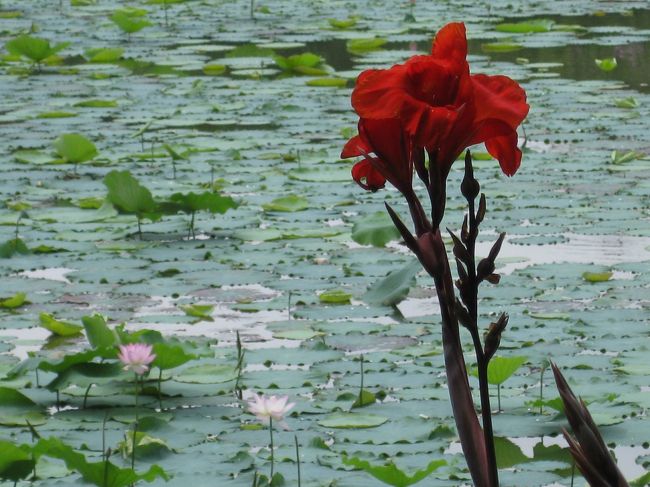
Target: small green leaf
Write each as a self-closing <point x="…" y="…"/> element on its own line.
<point x="16" y="409"/>
<point x="496" y="47"/>
<point x="342" y="420"/>
<point x="606" y="64"/>
<point x="360" y="46"/>
<point x="508" y="454"/>
<point x="130" y="20"/>
<point x="60" y="328"/>
<point x="174" y="155"/>
<point x="335" y="296"/>
<point x="290" y="203"/>
<point x="192" y="202"/>
<point x="128" y="195"/>
<point x="527" y="26"/>
<point x="12" y="247"/>
<point x="101" y="474"/>
<point x="390" y="474"/>
<point x="170" y="355"/>
<point x="96" y="104"/>
<point x="33" y="48"/>
<point x="15" y="463"/>
<point x="98" y="333"/>
<point x="642" y="481"/>
<point x="628" y="103"/>
<point x="344" y="23"/>
<point x="201" y="311"/>
<point x="15" y="301"/>
<point x="305" y="63"/>
<point x="376" y="229"/>
<point x="328" y="82"/>
<point x="147" y="446"/>
<point x="597" y="276"/>
<point x="621" y="157"/>
<point x="61" y="114"/>
<point x="501" y="368"/>
<point x="104" y="55"/>
<point x="393" y="288"/>
<point x="86" y="373"/>
<point x="214" y="69"/>
<point x="75" y="148"/>
<point x="365" y="398"/>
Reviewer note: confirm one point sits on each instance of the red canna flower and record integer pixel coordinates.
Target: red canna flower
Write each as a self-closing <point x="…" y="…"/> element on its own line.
<point x="441" y="107"/>
<point x="388" y="153"/>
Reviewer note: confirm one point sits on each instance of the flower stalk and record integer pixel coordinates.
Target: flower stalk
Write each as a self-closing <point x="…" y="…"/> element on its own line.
<point x="432" y="105"/>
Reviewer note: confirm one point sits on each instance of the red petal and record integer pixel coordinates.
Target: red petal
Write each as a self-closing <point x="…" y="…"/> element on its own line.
<point x="451" y="43"/>
<point x="432" y="81"/>
<point x="429" y="125"/>
<point x="380" y="93"/>
<point x="355" y="147"/>
<point x="499" y="97"/>
<point x="367" y="176"/>
<point x="505" y="149"/>
<point x="392" y="149"/>
<point x="386" y="138"/>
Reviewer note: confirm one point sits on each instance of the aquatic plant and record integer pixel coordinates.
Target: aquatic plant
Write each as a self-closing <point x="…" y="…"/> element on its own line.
<point x="268" y="409"/>
<point x="33" y="48"/>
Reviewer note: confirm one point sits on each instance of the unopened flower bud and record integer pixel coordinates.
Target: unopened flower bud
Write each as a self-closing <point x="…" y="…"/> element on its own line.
<point x="493" y="336"/>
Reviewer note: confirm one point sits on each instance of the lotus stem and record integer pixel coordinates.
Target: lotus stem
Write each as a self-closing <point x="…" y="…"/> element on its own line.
<point x="295" y="438"/>
<point x="272" y="456"/>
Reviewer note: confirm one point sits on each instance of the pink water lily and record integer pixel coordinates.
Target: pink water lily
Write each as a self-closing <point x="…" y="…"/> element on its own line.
<point x="136" y="357"/>
<point x="270" y="407"/>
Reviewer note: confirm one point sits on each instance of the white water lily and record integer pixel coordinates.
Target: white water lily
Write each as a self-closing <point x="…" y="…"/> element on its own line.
<point x="266" y="408"/>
